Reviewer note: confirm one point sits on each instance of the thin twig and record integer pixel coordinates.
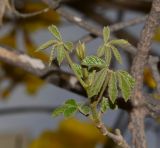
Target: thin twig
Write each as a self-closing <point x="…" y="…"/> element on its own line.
<point x="26" y="15"/>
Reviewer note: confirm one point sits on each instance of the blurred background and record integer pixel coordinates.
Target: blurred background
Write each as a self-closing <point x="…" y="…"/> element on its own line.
<point x="27" y="102"/>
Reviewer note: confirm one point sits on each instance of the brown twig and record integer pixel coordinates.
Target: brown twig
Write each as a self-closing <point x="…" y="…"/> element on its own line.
<point x="138" y="113"/>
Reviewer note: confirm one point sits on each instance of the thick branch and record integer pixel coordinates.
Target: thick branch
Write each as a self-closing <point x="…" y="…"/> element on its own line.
<point x="138" y="113"/>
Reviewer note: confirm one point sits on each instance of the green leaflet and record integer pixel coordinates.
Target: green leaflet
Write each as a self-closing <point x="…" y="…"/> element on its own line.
<point x="84" y="109"/>
<point x="124" y="85"/>
<point x="80" y="50"/>
<point x="71" y="102"/>
<point x="112" y="87"/>
<point x="68" y="46"/>
<point x="129" y="78"/>
<point x="55" y="32"/>
<point x="60" y="54"/>
<point x="46" y="45"/>
<point x="118" y="42"/>
<point x="69" y="111"/>
<point x="51" y="56"/>
<point x="100" y="51"/>
<point x="106" y="34"/>
<point x="78" y="70"/>
<point x="104" y="105"/>
<point x="58" y="111"/>
<point x="97" y="84"/>
<point x="116" y="54"/>
<point x="108" y="55"/>
<point x="93" y="61"/>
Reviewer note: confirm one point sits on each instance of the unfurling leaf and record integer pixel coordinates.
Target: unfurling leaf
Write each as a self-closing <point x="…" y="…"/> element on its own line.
<point x="78" y="70"/>
<point x="100" y="51"/>
<point x="106" y="34"/>
<point x="54" y="30"/>
<point x="128" y="77"/>
<point x="118" y="42"/>
<point x="125" y="84"/>
<point x="58" y="111"/>
<point x="68" y="46"/>
<point x="112" y="90"/>
<point x="93" y="61"/>
<point x="51" y="56"/>
<point x="46" y="45"/>
<point x="60" y="54"/>
<point x="116" y="54"/>
<point x="104" y="105"/>
<point x="80" y="50"/>
<point x="70" y="111"/>
<point x="108" y="55"/>
<point x="71" y="102"/>
<point x="84" y="109"/>
<point x="97" y="84"/>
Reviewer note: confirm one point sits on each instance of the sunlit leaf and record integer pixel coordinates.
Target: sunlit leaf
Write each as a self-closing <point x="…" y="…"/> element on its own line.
<point x="54" y="30"/>
<point x="51" y="55"/>
<point x="108" y="55"/>
<point x="118" y="42"/>
<point x="58" y="111"/>
<point x="112" y="87"/>
<point x="71" y="102"/>
<point x="116" y="54"/>
<point x="106" y="34"/>
<point x="46" y="45"/>
<point x="69" y="46"/>
<point x="100" y="51"/>
<point x="69" y="111"/>
<point x="97" y="84"/>
<point x="124" y="85"/>
<point x="104" y="105"/>
<point x="78" y="69"/>
<point x="84" y="109"/>
<point x="93" y="61"/>
<point x="60" y="54"/>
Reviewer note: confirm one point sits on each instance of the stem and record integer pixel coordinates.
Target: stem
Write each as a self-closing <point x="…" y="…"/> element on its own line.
<point x="72" y="67"/>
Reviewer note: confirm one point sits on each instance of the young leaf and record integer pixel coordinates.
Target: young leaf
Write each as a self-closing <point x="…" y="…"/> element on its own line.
<point x="104" y="105"/>
<point x="124" y="85"/>
<point x="54" y="30"/>
<point x="78" y="70"/>
<point x="108" y="55"/>
<point x="60" y="54"/>
<point x="70" y="111"/>
<point x="106" y="34"/>
<point x="80" y="50"/>
<point x="51" y="56"/>
<point x="46" y="45"/>
<point x="58" y="111"/>
<point x="93" y="61"/>
<point x="84" y="109"/>
<point x="128" y="77"/>
<point x="118" y="42"/>
<point x="71" y="102"/>
<point x="100" y="51"/>
<point x="68" y="46"/>
<point x="97" y="84"/>
<point x="112" y="90"/>
<point x="116" y="54"/>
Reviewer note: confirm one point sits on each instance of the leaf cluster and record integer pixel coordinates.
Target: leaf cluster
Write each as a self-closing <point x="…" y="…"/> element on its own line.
<point x="93" y="72"/>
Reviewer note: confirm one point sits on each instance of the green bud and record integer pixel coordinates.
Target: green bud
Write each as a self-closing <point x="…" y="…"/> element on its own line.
<point x="80" y="50"/>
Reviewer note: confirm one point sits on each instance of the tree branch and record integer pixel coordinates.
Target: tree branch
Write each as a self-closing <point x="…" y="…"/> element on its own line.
<point x="139" y="112"/>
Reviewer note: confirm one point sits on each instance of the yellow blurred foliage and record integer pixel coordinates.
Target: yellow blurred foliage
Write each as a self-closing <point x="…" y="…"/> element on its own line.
<point x="70" y="134"/>
<point x="148" y="78"/>
<point x="157" y="35"/>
